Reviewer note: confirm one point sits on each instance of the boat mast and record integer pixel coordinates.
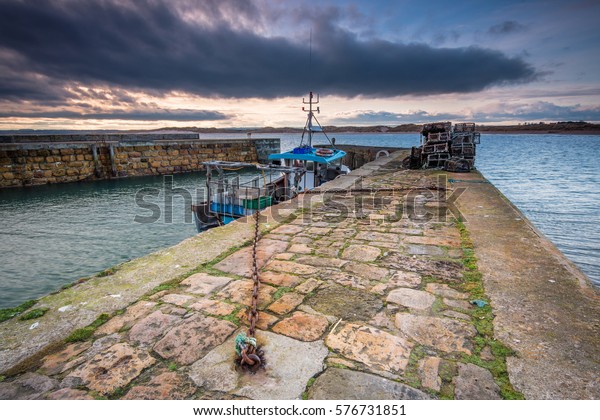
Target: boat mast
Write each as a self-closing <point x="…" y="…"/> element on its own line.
<point x="309" y="124"/>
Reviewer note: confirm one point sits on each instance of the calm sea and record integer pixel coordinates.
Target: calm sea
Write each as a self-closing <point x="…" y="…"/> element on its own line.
<point x="52" y="235"/>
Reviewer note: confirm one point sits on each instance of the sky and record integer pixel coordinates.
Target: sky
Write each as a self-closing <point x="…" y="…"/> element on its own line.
<point x="129" y="64"/>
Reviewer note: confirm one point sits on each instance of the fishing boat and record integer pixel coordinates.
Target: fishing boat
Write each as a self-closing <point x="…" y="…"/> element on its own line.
<point x="229" y="197"/>
<point x="322" y="164"/>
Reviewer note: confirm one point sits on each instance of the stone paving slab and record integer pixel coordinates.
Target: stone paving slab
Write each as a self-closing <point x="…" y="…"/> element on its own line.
<point x="280" y="279"/>
<point x="286" y="303"/>
<point x="213" y="307"/>
<point x="27" y="387"/>
<point x="364" y="253"/>
<point x="204" y="284"/>
<point x="114" y="368"/>
<point x="240" y="291"/>
<point x="475" y="383"/>
<point x="133" y="313"/>
<point x="345" y="384"/>
<point x="148" y="330"/>
<point x="292" y="267"/>
<point x="289" y="365"/>
<point x="59" y="362"/>
<point x="429" y="368"/>
<point x="240" y="262"/>
<point x="191" y="340"/>
<point x="302" y="326"/>
<point x="163" y="385"/>
<point x="413" y="299"/>
<point x="375" y="348"/>
<point x="445" y="334"/>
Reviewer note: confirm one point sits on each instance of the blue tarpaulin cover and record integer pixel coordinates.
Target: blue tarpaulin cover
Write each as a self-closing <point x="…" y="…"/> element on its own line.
<point x="311" y="156"/>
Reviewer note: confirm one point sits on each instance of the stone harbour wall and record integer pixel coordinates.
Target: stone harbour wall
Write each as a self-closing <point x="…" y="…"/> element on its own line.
<point x="30" y="161"/>
<point x="357" y="156"/>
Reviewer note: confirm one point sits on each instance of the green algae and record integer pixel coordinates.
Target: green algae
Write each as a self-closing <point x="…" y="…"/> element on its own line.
<point x="411" y="375"/>
<point x="282" y="291"/>
<point x="34" y="313"/>
<point x="108" y="272"/>
<point x="309" y="384"/>
<point x="8" y="313"/>
<point x="483" y="321"/>
<point x="232" y="317"/>
<point x="85" y="333"/>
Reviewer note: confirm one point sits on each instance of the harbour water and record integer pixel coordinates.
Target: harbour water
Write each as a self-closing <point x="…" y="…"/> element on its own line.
<point x="52" y="235"/>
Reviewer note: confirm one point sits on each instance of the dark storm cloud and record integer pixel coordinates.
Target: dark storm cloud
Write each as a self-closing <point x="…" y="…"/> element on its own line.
<point x="159" y="46"/>
<point x="138" y="115"/>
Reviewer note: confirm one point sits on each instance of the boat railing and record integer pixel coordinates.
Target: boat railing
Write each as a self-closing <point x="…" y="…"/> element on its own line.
<point x="234" y="196"/>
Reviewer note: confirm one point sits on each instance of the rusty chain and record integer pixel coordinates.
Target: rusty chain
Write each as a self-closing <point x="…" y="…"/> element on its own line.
<point x="250" y="356"/>
<point x="253" y="313"/>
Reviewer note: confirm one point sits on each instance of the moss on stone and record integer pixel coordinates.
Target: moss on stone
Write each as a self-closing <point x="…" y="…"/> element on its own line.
<point x="411" y="373"/>
<point x="281" y="291"/>
<point x="108" y="272"/>
<point x="232" y="317"/>
<point x="34" y="313"/>
<point x="483" y="321"/>
<point x="85" y="333"/>
<point x="117" y="394"/>
<point x="337" y="365"/>
<point x="8" y="313"/>
<point x="438" y="305"/>
<point x="309" y="384"/>
<point x="69" y="285"/>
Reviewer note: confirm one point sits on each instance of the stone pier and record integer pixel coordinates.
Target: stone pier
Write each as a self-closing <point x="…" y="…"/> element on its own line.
<point x="435" y="290"/>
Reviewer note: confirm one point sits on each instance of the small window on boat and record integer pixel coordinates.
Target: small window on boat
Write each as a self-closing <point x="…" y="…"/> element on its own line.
<point x="310" y="166"/>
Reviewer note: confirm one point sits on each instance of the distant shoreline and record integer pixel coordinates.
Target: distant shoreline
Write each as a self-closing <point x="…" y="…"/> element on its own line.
<point x="567" y="128"/>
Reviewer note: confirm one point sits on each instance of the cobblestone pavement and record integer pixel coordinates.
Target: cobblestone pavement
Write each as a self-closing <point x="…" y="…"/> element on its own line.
<point x="362" y="296"/>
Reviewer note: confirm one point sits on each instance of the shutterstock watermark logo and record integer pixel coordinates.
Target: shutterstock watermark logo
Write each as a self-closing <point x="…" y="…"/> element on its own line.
<point x="166" y="201"/>
<point x="430" y="203"/>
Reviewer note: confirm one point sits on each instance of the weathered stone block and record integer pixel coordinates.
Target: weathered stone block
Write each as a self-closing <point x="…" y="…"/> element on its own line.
<point x="362" y="253"/>
<point x="286" y="303"/>
<point x="281" y="380"/>
<point x="203" y="284"/>
<point x="163" y="386"/>
<point x="447" y="335"/>
<point x="375" y="348"/>
<point x="475" y="383"/>
<point x="113" y="368"/>
<point x="302" y="326"/>
<point x="152" y="327"/>
<point x="193" y="339"/>
<point x="345" y="384"/>
<point x="414" y="299"/>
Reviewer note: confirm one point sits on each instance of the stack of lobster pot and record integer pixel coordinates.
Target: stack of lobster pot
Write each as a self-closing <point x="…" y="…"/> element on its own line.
<point x="447" y="147"/>
<point x="435" y="139"/>
<point x="464" y="141"/>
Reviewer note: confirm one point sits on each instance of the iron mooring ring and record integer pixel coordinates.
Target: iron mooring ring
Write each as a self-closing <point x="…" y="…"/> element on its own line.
<point x="252" y="361"/>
